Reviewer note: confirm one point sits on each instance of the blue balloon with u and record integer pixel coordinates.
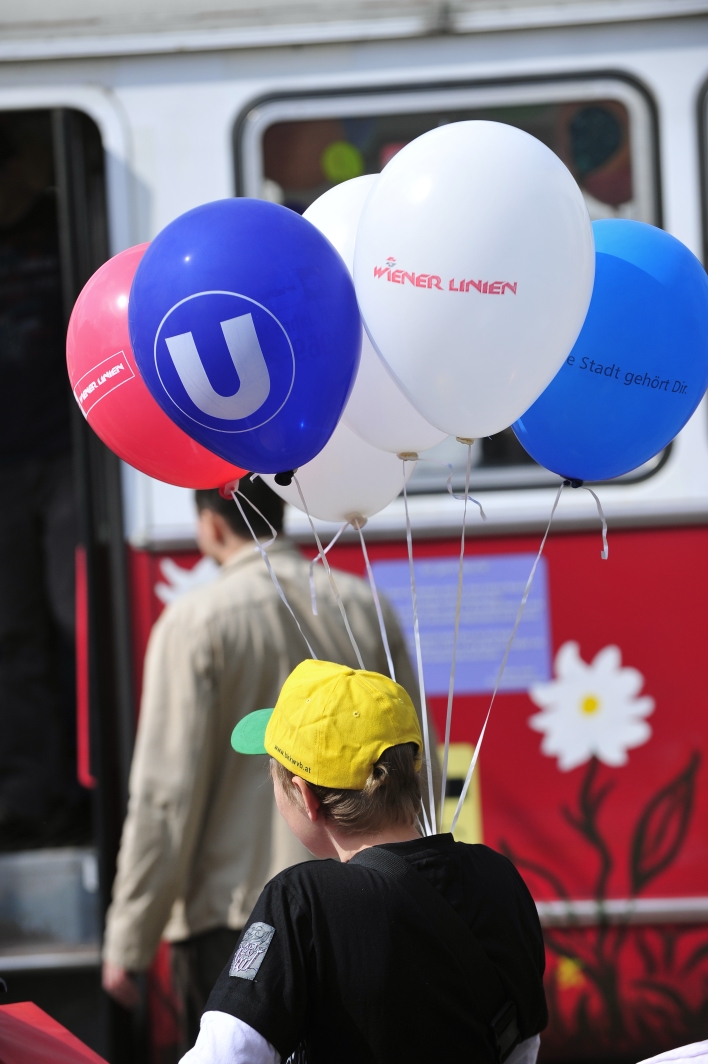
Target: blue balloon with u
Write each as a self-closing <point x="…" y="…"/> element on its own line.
<point x="246" y="330"/>
<point x="639" y="367"/>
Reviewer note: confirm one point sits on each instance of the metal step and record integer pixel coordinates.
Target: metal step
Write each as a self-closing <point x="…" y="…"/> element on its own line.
<point x="49" y="914"/>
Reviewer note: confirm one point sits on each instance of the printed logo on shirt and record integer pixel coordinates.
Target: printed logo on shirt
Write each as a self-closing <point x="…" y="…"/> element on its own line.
<point x="249" y="955"/>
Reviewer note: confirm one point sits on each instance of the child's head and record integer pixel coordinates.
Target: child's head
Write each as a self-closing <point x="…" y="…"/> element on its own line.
<point x="391" y="795"/>
<point x="344" y="744"/>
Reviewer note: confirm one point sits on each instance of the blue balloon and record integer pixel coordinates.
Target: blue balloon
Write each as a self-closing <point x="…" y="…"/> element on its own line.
<point x="639" y="367"/>
<point x="246" y="330"/>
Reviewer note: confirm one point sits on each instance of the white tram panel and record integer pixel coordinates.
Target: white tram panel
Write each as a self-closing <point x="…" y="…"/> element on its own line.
<point x="167" y="82"/>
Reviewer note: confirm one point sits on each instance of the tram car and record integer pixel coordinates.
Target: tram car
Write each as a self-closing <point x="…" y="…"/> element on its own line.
<point x="125" y="116"/>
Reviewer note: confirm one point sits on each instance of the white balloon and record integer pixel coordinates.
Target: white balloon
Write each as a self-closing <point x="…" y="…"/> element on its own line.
<point x="474" y="266"/>
<point x="348" y="479"/>
<point x="377" y="409"/>
<point x="336" y="213"/>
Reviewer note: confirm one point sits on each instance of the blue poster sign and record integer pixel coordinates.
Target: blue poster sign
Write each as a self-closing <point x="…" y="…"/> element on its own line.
<point x="492" y="590"/>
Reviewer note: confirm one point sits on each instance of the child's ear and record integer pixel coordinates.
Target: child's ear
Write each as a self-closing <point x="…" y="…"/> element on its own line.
<point x="307" y="799"/>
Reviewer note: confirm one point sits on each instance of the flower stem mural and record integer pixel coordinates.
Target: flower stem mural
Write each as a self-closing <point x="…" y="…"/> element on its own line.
<point x="614" y="984"/>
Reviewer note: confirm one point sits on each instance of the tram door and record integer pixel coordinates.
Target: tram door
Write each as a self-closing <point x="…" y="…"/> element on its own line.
<point x="66" y="710"/>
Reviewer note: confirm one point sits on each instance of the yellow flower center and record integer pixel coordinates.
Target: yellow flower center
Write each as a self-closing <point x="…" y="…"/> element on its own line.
<point x="590" y="704"/>
<point x="569" y="973"/>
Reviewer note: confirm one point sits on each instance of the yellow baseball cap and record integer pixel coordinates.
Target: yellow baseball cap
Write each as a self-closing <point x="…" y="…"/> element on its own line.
<point x="331" y="724"/>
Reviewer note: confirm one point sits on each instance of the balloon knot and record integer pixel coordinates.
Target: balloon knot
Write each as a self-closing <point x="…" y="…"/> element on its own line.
<point x="572" y="483"/>
<point x="226" y="490"/>
<point x="285" y="478"/>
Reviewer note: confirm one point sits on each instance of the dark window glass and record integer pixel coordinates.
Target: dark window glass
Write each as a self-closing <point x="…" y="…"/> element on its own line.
<point x="302" y="159"/>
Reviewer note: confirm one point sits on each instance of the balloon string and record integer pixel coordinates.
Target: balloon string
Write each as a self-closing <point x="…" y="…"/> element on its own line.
<point x="431" y="825"/>
<point x="519" y="615"/>
<point x="273" y="577"/>
<point x="274" y="534"/>
<point x="448" y="482"/>
<point x="327" y="569"/>
<point x="426" y="822"/>
<point x="464" y="498"/>
<point x="604" y="553"/>
<point x="313" y="563"/>
<point x="377" y="603"/>
<point x="458" y="607"/>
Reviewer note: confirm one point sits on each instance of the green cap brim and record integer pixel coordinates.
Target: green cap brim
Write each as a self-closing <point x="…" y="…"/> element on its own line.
<point x="248" y="737"/>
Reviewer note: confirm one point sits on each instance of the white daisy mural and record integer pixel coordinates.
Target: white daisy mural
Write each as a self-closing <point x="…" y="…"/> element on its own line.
<point x="591" y="710"/>
<point x="621" y="987"/>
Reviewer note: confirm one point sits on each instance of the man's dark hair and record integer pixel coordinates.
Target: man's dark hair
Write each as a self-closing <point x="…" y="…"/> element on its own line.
<point x="270" y="505"/>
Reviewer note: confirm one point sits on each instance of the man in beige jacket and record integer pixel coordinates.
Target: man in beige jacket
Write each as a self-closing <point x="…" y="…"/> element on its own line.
<point x="202" y="836"/>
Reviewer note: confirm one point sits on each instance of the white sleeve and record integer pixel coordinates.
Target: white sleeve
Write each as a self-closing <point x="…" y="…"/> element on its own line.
<point x="224" y="1039"/>
<point x="526" y="1051"/>
<point x="696" y="1053"/>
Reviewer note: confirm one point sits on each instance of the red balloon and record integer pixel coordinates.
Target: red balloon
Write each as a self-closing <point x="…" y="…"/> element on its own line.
<point x="112" y="395"/>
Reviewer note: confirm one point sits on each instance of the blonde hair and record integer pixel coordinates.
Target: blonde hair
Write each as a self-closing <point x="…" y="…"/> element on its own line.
<point x="391" y="794"/>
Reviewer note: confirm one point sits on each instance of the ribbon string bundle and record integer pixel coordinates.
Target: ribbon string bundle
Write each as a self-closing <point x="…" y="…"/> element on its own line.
<point x="460" y="291"/>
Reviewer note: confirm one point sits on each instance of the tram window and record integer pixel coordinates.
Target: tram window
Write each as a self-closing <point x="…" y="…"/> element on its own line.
<point x="596" y="137"/>
<point x="301" y="160"/>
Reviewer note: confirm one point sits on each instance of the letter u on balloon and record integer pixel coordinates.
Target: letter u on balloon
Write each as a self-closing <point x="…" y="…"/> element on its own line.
<point x="247" y="357"/>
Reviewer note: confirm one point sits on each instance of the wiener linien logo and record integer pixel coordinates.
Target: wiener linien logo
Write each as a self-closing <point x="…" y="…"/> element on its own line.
<point x="224" y="360"/>
<point x="434" y="281"/>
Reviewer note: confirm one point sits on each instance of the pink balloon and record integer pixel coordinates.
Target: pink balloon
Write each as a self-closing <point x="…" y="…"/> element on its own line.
<point x="112" y="395"/>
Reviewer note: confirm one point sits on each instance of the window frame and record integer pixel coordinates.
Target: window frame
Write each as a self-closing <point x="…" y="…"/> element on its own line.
<point x="262" y="112"/>
<point x="702" y="131"/>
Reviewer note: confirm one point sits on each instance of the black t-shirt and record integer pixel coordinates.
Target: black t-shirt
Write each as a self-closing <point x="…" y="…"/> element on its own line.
<point x="336" y="959"/>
